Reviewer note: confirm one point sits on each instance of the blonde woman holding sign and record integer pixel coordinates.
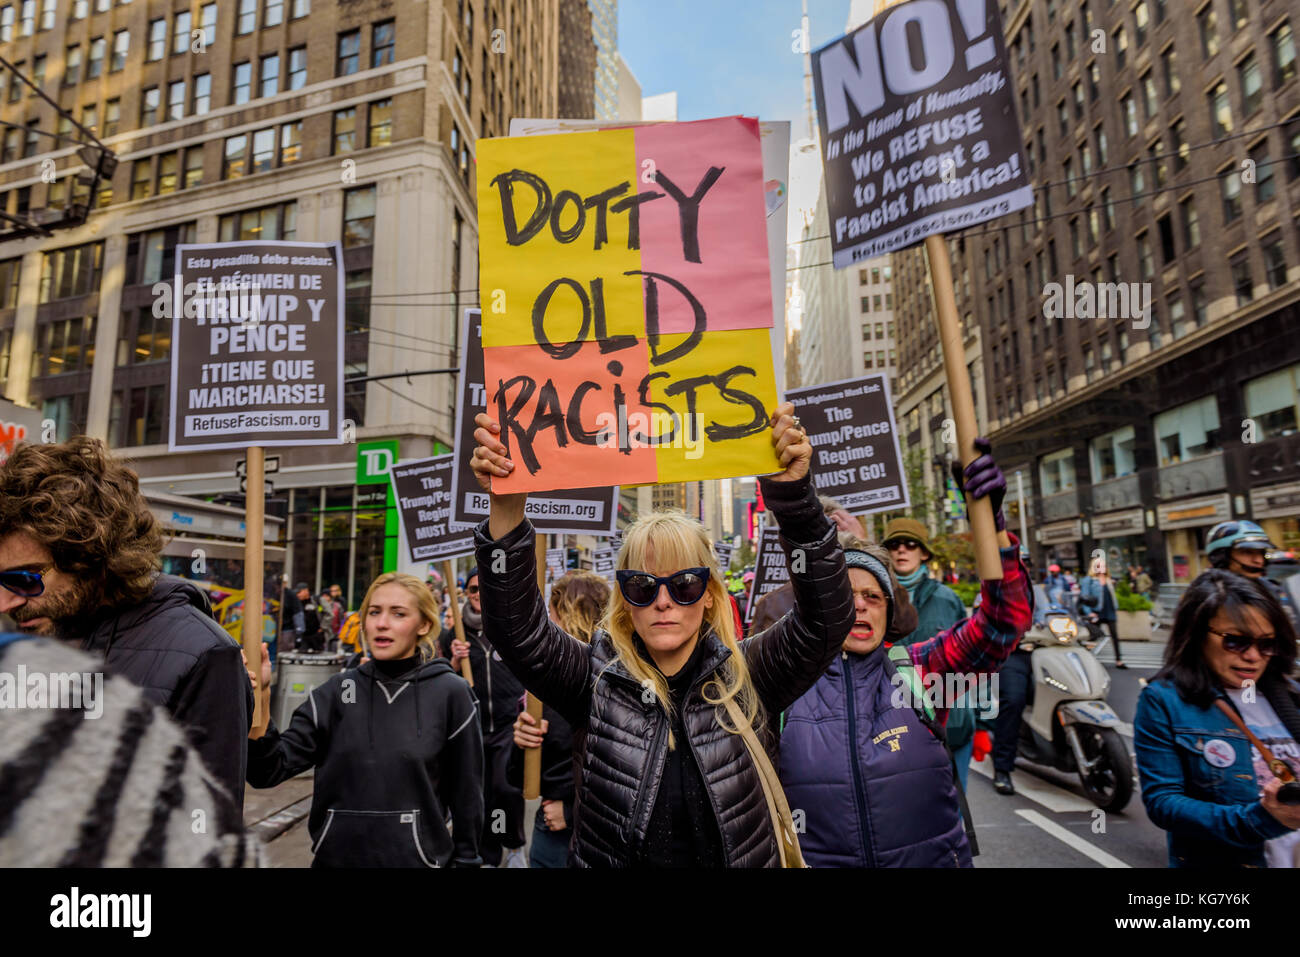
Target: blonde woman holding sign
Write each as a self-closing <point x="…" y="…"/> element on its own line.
<point x="671" y="717"/>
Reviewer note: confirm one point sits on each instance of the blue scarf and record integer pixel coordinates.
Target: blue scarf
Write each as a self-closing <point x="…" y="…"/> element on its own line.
<point x="910" y="582"/>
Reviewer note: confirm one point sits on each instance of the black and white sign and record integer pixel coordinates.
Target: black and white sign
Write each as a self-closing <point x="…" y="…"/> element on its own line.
<point x="856" y="458"/>
<point x="555" y="562"/>
<point x="604" y="561"/>
<point x="422" y="491"/>
<point x="918" y="126"/>
<point x="587" y="511"/>
<point x="770" y="570"/>
<point x="257" y="345"/>
<point x="724" y="551"/>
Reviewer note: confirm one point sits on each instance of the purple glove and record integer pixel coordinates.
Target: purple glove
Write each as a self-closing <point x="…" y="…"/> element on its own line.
<point x="983" y="477"/>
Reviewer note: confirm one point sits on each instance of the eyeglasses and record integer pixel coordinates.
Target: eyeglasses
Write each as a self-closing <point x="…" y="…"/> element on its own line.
<point x="1240" y="644"/>
<point x="898" y="543"/>
<point x="472" y="590"/>
<point x="873" y="599"/>
<point x="685" y="587"/>
<point x="25" y="584"/>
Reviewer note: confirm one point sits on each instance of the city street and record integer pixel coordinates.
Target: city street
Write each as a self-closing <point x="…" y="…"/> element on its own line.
<point x="1047" y="823"/>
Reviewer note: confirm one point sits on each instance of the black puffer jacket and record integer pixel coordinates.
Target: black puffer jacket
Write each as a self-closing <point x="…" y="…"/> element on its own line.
<point x="620" y="740"/>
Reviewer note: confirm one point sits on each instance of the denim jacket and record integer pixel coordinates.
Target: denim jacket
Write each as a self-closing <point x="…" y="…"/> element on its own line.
<point x="1213" y="814"/>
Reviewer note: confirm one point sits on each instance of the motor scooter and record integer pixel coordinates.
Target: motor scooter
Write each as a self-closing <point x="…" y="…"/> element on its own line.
<point x="1067" y="724"/>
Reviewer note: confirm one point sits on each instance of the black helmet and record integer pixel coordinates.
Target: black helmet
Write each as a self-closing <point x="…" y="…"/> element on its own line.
<point x="1226" y="536"/>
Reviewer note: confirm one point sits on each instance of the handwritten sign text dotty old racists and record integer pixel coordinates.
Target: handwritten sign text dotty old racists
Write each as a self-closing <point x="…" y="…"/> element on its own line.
<point x="626" y="302"/>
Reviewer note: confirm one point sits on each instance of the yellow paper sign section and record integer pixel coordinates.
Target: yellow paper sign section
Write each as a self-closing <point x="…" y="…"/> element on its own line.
<point x="718" y="387"/>
<point x="550" y="220"/>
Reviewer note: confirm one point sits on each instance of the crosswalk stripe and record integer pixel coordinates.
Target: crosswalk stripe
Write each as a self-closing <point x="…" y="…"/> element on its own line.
<point x="1055" y="799"/>
<point x="1084" y="847"/>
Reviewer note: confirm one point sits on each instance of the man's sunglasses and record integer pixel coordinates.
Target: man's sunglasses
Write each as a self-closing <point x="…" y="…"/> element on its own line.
<point x="685" y="587"/>
<point x="472" y="590"/>
<point x="897" y="542"/>
<point x="25" y="584"/>
<point x="1239" y="644"/>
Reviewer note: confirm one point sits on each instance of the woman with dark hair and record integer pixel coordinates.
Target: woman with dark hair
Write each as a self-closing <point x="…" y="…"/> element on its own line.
<point x="1225" y="690"/>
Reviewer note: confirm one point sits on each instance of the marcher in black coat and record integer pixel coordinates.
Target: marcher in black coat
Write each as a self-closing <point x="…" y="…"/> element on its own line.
<point x="666" y="781"/>
<point x="394" y="742"/>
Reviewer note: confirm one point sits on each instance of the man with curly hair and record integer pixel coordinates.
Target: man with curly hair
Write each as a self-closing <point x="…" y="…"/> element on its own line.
<point x="79" y="560"/>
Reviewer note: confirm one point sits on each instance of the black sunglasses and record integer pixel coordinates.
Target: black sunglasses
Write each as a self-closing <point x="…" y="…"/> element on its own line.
<point x="896" y="542"/>
<point x="25" y="584"/>
<point x="1239" y="644"/>
<point x="685" y="587"/>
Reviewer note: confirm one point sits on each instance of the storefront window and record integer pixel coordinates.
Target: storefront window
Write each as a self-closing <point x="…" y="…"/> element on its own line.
<point x="1112" y="454"/>
<point x="1271" y="402"/>
<point x="1188" y="431"/>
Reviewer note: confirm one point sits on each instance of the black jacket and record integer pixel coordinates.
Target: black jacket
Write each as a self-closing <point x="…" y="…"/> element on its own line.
<point x="498" y="691"/>
<point x="558" y="772"/>
<point x="172" y="647"/>
<point x="620" y="739"/>
<point x="392" y="755"/>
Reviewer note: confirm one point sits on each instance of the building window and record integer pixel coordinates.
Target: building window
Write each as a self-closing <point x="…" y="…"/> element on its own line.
<point x="176" y="100"/>
<point x="1178" y="140"/>
<point x="383" y="37"/>
<point x="1242" y="284"/>
<point x="1252" y="85"/>
<point x="65" y="345"/>
<point x="1274" y="261"/>
<point x="349" y="53"/>
<point x="1208" y="23"/>
<point x="345" y="130"/>
<point x="297" y="68"/>
<point x="141" y="179"/>
<point x="1130" y="114"/>
<point x="301" y="8"/>
<point x="1169" y="71"/>
<point x="232" y="166"/>
<point x="194" y="166"/>
<point x="270" y="75"/>
<point x="381" y="123"/>
<point x="1191" y="224"/>
<point x="48" y="11"/>
<point x="38" y="72"/>
<point x="95" y="61"/>
<point x="1230" y="185"/>
<point x="121" y="45"/>
<point x="1141" y="21"/>
<point x="168" y="166"/>
<point x="1151" y="99"/>
<point x="290" y="143"/>
<point x="1113" y="454"/>
<point x="1056" y="471"/>
<point x="146" y="422"/>
<point x="1265" y="187"/>
<point x="274" y="15"/>
<point x="1166" y="227"/>
<point x="202" y="93"/>
<point x="70" y="272"/>
<point x="263" y="150"/>
<point x="1220" y="110"/>
<point x="181" y="32"/>
<point x="267" y="222"/>
<point x="1187" y="431"/>
<point x="157" y="40"/>
<point x="208" y="23"/>
<point x="1177" y="318"/>
<point x="27" y="23"/>
<point x="72" y="66"/>
<point x="1239" y="14"/>
<point x="359" y="216"/>
<point x="247" y="18"/>
<point x="149" y="104"/>
<point x="241" y="83"/>
<point x="1283" y="54"/>
<point x="1271" y="402"/>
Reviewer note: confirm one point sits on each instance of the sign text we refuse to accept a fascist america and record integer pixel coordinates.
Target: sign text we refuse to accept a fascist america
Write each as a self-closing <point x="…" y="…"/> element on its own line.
<point x="626" y="304"/>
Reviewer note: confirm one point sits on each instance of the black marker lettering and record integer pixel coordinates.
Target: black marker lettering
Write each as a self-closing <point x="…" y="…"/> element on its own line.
<point x="574" y="419"/>
<point x="574" y="231"/>
<point x="688" y="209"/>
<point x="721" y="433"/>
<point x="652" y="317"/>
<point x="569" y="347"/>
<point x="600" y="203"/>
<point x="506" y="418"/>
<point x="505" y="182"/>
<point x="633" y="204"/>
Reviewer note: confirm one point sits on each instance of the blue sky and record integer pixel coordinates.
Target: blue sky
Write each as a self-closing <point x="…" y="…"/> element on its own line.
<point x="725" y="57"/>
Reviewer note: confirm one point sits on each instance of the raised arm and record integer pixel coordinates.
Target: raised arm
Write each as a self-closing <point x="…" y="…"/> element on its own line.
<point x="548" y="662"/>
<point x="278" y="755"/>
<point x="786" y="659"/>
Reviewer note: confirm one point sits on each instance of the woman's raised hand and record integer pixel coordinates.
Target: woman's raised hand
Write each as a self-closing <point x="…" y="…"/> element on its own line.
<point x="490" y="459"/>
<point x="792" y="445"/>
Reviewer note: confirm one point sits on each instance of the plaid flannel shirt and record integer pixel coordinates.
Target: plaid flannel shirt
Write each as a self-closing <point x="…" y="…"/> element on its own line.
<point x="986" y="639"/>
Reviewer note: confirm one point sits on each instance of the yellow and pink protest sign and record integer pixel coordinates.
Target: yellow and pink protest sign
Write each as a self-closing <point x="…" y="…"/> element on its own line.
<point x="626" y="296"/>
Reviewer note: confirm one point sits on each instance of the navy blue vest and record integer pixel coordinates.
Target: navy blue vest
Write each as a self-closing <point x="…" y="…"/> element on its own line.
<point x="875" y="786"/>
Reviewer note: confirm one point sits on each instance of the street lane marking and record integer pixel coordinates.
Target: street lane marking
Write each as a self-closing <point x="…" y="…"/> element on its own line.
<point x="1086" y="848"/>
<point x="1055" y="799"/>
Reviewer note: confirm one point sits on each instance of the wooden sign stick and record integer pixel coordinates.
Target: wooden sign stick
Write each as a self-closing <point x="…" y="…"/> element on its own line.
<point x="251" y="626"/>
<point x="457" y="626"/>
<point x="979" y="511"/>
<point x="533" y="756"/>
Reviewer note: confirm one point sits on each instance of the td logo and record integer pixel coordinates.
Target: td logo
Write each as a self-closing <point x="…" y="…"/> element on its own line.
<point x="374" y="460"/>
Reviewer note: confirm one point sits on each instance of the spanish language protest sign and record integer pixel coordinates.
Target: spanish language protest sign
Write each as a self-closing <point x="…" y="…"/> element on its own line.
<point x="627" y="302"/>
<point x="724" y="551"/>
<point x="918" y="127"/>
<point x="422" y="490"/>
<point x="582" y="511"/>
<point x="257" y="345"/>
<point x="770" y="571"/>
<point x="856" y="458"/>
